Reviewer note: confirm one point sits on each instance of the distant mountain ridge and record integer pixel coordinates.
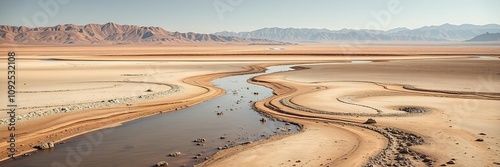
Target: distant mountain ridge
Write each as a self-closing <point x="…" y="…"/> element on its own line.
<point x="109" y="33"/>
<point x="445" y="32"/>
<point x="485" y="37"/>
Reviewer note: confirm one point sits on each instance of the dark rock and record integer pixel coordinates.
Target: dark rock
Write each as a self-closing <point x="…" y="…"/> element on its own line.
<point x="248" y="142"/>
<point x="370" y="121"/>
<point x="200" y="140"/>
<point x="404" y="151"/>
<point x="480" y="140"/>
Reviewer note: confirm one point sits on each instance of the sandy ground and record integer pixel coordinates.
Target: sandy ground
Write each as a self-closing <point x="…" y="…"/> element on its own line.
<point x="457" y="92"/>
<point x="459" y="98"/>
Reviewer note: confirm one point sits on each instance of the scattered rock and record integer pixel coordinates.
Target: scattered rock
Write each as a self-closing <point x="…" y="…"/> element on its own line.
<point x="51" y="144"/>
<point x="174" y="154"/>
<point x="247" y="142"/>
<point x="427" y="159"/>
<point x="263" y="120"/>
<point x="284" y="129"/>
<point x="450" y="162"/>
<point x="162" y="163"/>
<point x="399" y="157"/>
<point x="200" y="140"/>
<point x="480" y="140"/>
<point x="482" y="134"/>
<point x="222" y="137"/>
<point x="404" y="151"/>
<point x="370" y="121"/>
<point x="413" y="109"/>
<point x="149" y="90"/>
<point x="44" y="146"/>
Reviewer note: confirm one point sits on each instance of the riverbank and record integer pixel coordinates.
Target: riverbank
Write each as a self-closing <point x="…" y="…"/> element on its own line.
<point x="352" y="83"/>
<point x="55" y="127"/>
<point x="420" y="120"/>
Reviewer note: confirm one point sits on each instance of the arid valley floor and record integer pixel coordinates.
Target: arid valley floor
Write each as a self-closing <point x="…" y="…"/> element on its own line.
<point x="433" y="105"/>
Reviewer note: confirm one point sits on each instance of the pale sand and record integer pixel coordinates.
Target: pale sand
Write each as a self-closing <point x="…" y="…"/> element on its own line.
<point x="449" y="131"/>
<point x="312" y="88"/>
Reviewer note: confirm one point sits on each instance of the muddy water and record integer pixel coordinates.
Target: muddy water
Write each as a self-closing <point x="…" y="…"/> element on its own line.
<point x="146" y="141"/>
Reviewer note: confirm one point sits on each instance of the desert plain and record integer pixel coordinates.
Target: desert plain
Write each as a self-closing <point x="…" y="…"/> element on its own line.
<point x="428" y="105"/>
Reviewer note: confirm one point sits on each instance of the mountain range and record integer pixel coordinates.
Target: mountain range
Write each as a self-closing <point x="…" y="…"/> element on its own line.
<point x="445" y="32"/>
<point x="112" y="33"/>
<point x="109" y="33"/>
<point x="486" y="37"/>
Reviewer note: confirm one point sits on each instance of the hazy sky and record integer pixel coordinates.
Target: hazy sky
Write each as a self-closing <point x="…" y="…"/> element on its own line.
<point x="207" y="16"/>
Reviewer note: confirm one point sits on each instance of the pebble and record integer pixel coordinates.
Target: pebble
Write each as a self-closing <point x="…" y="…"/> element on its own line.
<point x="162" y="163"/>
<point x="175" y="154"/>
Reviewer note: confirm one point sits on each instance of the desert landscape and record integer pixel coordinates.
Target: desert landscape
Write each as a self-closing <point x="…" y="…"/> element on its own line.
<point x="428" y="105"/>
<point x="233" y="83"/>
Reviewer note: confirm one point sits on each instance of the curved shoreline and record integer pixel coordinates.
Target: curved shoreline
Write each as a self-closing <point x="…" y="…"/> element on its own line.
<point x="430" y="139"/>
<point x="275" y="108"/>
<point x="310" y="127"/>
<point x="112" y="117"/>
<point x="272" y="107"/>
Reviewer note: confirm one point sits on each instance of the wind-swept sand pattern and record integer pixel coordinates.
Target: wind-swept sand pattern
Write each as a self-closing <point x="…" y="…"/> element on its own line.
<point x="425" y="108"/>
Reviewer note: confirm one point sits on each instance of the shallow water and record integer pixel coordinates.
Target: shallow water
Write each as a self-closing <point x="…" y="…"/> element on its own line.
<point x="146" y="141"/>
